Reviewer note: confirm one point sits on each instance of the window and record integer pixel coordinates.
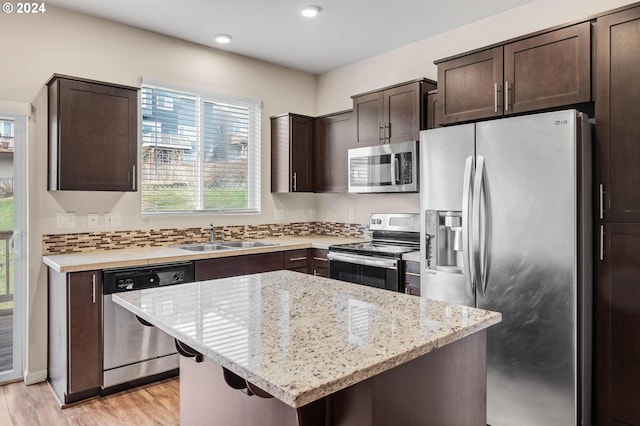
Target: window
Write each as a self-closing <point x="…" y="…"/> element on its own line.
<point x="200" y="152"/>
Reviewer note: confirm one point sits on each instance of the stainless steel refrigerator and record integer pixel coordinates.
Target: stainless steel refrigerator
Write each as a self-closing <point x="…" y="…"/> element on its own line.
<point x="506" y="226"/>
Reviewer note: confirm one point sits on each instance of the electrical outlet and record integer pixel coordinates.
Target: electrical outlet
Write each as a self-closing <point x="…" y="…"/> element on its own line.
<point x="66" y="220"/>
<point x="278" y="214"/>
<point x="112" y="220"/>
<point x="92" y="220"/>
<point x="352" y="214"/>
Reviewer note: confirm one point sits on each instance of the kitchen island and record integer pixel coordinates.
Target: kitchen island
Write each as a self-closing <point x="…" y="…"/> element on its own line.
<point x="327" y="351"/>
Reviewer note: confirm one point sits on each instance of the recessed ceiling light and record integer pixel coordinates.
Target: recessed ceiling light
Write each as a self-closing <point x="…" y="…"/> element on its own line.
<point x="310" y="11"/>
<point x="223" y="38"/>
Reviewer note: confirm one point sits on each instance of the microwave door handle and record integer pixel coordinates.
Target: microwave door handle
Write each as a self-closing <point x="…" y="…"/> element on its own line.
<point x="396" y="166"/>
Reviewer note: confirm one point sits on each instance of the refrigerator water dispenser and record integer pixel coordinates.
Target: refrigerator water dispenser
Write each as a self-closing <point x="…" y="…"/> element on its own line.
<point x="444" y="240"/>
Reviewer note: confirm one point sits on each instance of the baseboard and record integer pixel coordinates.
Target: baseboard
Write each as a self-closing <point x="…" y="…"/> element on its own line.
<point x="31" y="378"/>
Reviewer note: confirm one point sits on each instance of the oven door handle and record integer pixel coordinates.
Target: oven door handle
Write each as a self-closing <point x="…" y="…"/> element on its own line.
<point x="364" y="260"/>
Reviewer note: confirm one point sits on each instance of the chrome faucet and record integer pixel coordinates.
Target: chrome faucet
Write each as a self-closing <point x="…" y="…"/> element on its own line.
<point x="212" y="234"/>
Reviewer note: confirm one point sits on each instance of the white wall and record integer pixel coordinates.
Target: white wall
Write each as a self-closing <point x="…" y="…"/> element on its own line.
<point x="415" y="60"/>
<point x="69" y="43"/>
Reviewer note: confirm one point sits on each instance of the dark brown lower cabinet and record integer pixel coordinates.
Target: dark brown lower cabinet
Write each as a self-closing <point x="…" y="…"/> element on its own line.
<point x="75" y="334"/>
<point x="412" y="277"/>
<point x="319" y="262"/>
<point x="617" y="345"/>
<point x="297" y="260"/>
<point x="224" y="267"/>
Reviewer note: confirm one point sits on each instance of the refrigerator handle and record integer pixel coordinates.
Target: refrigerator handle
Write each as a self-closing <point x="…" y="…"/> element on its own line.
<point x="466" y="231"/>
<point x="477" y="228"/>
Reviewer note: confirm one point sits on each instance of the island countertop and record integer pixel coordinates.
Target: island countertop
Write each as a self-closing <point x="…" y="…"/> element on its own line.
<point x="300" y="337"/>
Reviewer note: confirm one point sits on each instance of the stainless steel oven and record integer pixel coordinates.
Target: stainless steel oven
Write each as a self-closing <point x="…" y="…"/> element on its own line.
<point x="378" y="263"/>
<point x="372" y="271"/>
<point x="135" y="352"/>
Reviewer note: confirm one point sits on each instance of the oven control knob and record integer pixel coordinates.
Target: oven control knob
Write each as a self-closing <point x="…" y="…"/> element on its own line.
<point x="176" y="276"/>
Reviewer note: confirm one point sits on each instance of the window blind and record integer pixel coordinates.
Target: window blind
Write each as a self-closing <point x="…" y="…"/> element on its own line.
<point x="200" y="151"/>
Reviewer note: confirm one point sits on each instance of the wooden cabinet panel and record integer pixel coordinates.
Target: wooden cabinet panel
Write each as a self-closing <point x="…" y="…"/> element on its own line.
<point x="291" y="153"/>
<point x="393" y="114"/>
<point x="548" y="70"/>
<point x="402" y="113"/>
<point x="319" y="262"/>
<point x="93" y="135"/>
<point x="618" y="327"/>
<point x="84" y="308"/>
<point x="432" y="108"/>
<point x="617" y="106"/>
<point x="297" y="260"/>
<point x="224" y="267"/>
<point x="333" y="137"/>
<point x="470" y="87"/>
<point x="368" y="116"/>
<point x="412" y="278"/>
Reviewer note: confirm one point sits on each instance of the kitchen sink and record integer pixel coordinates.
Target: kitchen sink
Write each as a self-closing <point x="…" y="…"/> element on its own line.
<point x="224" y="246"/>
<point x="248" y="244"/>
<point x="203" y="247"/>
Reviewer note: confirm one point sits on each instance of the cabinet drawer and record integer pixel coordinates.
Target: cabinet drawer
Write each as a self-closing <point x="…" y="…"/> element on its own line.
<point x="295" y="259"/>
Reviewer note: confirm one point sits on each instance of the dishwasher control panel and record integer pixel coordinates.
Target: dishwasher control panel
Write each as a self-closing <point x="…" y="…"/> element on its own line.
<point x="128" y="279"/>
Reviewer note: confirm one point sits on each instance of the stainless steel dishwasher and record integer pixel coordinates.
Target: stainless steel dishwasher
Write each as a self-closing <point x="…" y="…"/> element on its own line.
<point x="135" y="353"/>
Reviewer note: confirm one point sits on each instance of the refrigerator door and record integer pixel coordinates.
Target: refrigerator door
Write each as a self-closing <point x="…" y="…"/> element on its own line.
<point x="443" y="155"/>
<point x="527" y="242"/>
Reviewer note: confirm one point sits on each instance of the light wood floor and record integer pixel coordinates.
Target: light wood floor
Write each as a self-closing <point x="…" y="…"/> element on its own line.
<point x="35" y="405"/>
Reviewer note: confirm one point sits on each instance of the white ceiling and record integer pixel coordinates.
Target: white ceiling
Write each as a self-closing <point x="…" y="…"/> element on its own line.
<point x="345" y="31"/>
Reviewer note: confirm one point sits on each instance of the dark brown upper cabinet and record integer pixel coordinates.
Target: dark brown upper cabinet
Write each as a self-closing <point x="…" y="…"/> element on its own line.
<point x="548" y="70"/>
<point x="93" y="135"/>
<point x="393" y="114"/>
<point x="333" y="137"/>
<point x="617" y="104"/>
<point x="291" y="153"/>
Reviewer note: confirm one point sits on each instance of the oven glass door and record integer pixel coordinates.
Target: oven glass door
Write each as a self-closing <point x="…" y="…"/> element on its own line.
<point x="365" y="270"/>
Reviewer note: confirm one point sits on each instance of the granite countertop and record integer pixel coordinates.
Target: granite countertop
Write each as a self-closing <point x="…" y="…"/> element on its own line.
<point x="301" y="337"/>
<point x="104" y="259"/>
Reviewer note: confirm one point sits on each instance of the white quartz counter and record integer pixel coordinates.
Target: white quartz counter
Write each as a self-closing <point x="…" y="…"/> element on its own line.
<point x="104" y="259"/>
<point x="301" y="337"/>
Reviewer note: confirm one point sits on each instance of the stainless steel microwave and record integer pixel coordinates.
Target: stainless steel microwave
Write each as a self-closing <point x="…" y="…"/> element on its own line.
<point x="384" y="168"/>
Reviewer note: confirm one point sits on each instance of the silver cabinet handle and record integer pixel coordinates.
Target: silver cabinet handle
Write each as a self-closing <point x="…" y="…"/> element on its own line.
<point x="413" y="274"/>
<point x="387" y="131"/>
<point x="321" y="259"/>
<point x="601" y="242"/>
<point x="380" y="133"/>
<point x="495" y="97"/>
<point x="506" y="96"/>
<point x="601" y="201"/>
<point x="134" y="182"/>
<point x="295" y="259"/>
<point x="466" y="231"/>
<point x="295" y="181"/>
<point x="93" y="291"/>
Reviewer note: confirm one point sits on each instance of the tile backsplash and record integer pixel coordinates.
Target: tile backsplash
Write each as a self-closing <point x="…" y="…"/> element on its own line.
<point x="89" y="241"/>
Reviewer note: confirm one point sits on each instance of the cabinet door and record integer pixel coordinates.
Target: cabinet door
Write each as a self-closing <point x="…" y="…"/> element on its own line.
<point x="369" y="118"/>
<point x="470" y="87"/>
<point x="548" y="70"/>
<point x="618" y="327"/>
<point x="301" y="154"/>
<point x="402" y="110"/>
<point x="320" y="262"/>
<point x="297" y="260"/>
<point x="280" y="154"/>
<point x="84" y="305"/>
<point x="432" y="108"/>
<point x="93" y="136"/>
<point x="232" y="266"/>
<point x="412" y="278"/>
<point x="617" y="106"/>
<point x="334" y="136"/>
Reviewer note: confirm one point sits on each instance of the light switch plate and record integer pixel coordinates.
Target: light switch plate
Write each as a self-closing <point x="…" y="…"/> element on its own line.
<point x="352" y="214"/>
<point x="66" y="220"/>
<point x="278" y="214"/>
